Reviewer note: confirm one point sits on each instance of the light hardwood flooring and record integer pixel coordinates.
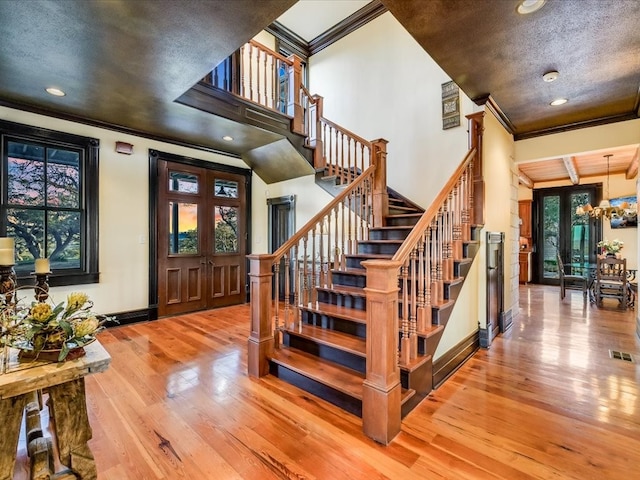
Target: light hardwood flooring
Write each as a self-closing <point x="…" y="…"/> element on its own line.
<point x="544" y="402"/>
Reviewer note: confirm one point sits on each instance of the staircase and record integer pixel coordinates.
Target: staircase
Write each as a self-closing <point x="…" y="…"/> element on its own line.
<point x="352" y="306"/>
<point x="325" y="354"/>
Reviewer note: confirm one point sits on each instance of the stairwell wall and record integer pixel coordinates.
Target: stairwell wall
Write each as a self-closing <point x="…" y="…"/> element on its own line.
<point x="379" y="83"/>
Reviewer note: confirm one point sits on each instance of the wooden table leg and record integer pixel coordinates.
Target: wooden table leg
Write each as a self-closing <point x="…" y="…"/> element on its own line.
<point x="11" y="411"/>
<point x="68" y="407"/>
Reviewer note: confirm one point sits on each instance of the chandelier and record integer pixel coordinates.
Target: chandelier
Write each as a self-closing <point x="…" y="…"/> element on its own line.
<point x="604" y="208"/>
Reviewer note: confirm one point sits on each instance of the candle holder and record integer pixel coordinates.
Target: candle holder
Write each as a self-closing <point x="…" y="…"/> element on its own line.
<point x="42" y="286"/>
<point x="7" y="283"/>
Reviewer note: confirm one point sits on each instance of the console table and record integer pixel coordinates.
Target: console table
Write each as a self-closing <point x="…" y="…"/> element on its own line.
<point x="64" y="382"/>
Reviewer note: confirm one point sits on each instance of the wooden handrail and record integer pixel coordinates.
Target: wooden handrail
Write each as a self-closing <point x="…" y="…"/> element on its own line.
<point x="259" y="46"/>
<point x="307" y="94"/>
<point x="293" y="240"/>
<point x="412" y="239"/>
<point x="346" y="132"/>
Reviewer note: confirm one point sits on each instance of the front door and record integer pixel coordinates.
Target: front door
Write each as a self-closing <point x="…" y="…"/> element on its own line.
<point x="201" y="238"/>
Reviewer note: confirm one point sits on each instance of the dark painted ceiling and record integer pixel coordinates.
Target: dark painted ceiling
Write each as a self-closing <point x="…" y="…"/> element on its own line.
<point x="123" y="63"/>
<point x="487" y="48"/>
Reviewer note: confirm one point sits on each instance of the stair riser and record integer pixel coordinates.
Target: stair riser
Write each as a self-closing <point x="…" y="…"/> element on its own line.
<point x="401" y="221"/>
<point x="461" y="269"/>
<point x="378" y="248"/>
<point x="386" y="234"/>
<point x="348" y="279"/>
<point x="336" y="397"/>
<point x="326" y="352"/>
<point x="470" y="249"/>
<point x="428" y="345"/>
<point x="355" y="262"/>
<point x="332" y="323"/>
<point x="440" y="315"/>
<point x="342" y="300"/>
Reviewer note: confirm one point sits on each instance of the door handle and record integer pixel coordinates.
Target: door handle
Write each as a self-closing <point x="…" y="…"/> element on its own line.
<point x="211" y="263"/>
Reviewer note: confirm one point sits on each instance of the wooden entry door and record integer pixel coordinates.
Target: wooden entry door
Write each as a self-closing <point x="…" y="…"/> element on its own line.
<point x="201" y="238"/>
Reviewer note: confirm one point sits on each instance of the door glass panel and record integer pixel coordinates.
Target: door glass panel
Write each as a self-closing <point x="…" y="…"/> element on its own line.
<point x="226" y="229"/>
<point x="225" y="188"/>
<point x="550" y="225"/>
<point x="183" y="228"/>
<point x="580" y="241"/>
<point x="183" y="182"/>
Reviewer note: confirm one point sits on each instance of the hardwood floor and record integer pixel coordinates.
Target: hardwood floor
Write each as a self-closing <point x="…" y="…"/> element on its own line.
<point x="544" y="402"/>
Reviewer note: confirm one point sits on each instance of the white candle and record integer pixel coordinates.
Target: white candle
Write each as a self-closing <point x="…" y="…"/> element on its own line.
<point x="7" y="242"/>
<point x="42" y="265"/>
<point x="7" y="256"/>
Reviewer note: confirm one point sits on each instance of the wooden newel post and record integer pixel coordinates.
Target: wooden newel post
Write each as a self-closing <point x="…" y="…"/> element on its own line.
<point x="294" y="107"/>
<point x="315" y="132"/>
<point x="381" y="396"/>
<point x="261" y="341"/>
<point x="476" y="128"/>
<point x="380" y="194"/>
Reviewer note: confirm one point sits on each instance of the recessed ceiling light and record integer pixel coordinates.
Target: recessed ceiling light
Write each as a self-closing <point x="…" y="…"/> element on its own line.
<point x="55" y="91"/>
<point x="559" y="101"/>
<point x="550" y="76"/>
<point x="530" y="6"/>
<point x="227" y="138"/>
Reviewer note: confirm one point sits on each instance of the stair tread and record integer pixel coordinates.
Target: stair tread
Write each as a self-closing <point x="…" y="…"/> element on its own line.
<point x="338" y="311"/>
<point x="369" y="255"/>
<point x="341" y="341"/>
<point x="350" y="271"/>
<point x="415" y="363"/>
<point x="417" y="214"/>
<point x="345" y="290"/>
<point x="340" y="378"/>
<point x="391" y="227"/>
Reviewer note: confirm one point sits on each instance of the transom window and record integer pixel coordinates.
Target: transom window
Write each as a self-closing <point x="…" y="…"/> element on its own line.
<point x="49" y="201"/>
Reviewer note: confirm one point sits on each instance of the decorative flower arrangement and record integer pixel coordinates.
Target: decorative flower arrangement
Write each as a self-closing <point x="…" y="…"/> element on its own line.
<point x="44" y="327"/>
<point x="613" y="246"/>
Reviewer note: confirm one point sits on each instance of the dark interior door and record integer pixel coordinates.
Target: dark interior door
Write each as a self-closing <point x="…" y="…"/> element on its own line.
<point x="560" y="230"/>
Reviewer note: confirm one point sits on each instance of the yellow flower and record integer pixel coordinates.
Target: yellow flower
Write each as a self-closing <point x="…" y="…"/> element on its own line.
<point x="41" y="312"/>
<point x="87" y="326"/>
<point x="76" y="300"/>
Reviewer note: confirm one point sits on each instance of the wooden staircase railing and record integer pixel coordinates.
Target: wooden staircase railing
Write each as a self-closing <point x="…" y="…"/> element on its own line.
<point x="275" y="82"/>
<point x="288" y="278"/>
<point x="421" y="266"/>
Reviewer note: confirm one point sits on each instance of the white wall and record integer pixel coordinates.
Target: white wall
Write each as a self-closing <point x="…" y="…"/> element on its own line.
<point x="575" y="141"/>
<point x="124" y="211"/>
<point x="379" y="83"/>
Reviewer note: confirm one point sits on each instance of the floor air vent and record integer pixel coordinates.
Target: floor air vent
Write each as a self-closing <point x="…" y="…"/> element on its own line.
<point x="627" y="357"/>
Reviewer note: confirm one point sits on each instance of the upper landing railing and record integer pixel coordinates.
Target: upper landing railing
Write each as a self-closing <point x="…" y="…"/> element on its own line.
<point x="260" y="75"/>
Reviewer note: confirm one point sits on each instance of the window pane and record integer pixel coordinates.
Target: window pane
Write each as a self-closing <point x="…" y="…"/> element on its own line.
<point x="183" y="182"/>
<point x="27" y="227"/>
<point x="226" y="229"/>
<point x="225" y="188"/>
<point x="25" y="167"/>
<point x="63" y="239"/>
<point x="183" y="228"/>
<point x="63" y="178"/>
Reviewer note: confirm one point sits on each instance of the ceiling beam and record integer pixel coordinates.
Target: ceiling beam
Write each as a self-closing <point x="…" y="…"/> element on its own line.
<point x="632" y="170"/>
<point x="523" y="179"/>
<point x="570" y="166"/>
